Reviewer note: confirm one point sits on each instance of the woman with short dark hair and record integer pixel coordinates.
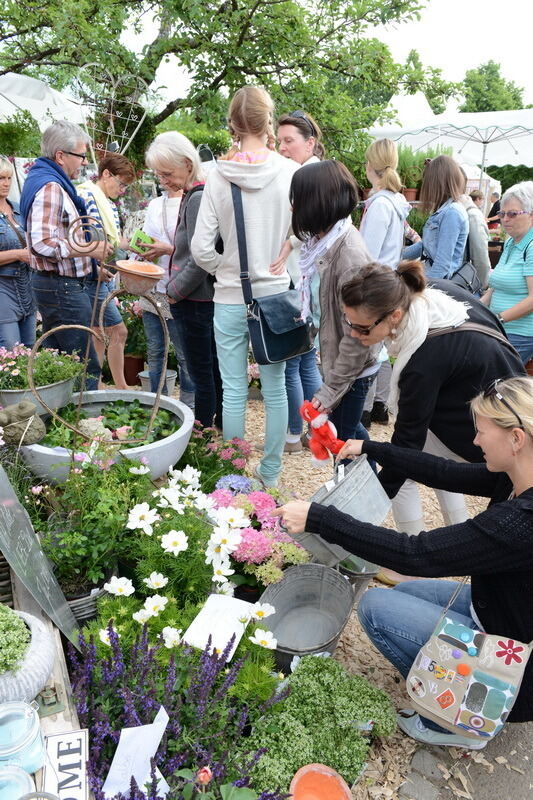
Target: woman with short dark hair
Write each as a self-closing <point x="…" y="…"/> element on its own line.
<point x="323" y="196"/>
<point x="444" y="235"/>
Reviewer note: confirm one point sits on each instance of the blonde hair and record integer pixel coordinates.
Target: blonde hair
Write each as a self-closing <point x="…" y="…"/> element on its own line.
<point x="171" y="149"/>
<point x="251" y="112"/>
<point x="382" y="155"/>
<point x="518" y="393"/>
<point x="5" y="166"/>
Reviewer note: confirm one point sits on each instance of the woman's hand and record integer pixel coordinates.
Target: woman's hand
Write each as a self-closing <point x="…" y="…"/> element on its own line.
<point x="278" y="266"/>
<point x="155" y="249"/>
<point x="353" y="447"/>
<point x="23" y="255"/>
<point x="293" y="516"/>
<point x="315" y="402"/>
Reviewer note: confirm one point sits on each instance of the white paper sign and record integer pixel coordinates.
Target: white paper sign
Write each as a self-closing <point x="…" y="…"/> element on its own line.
<point x="135" y="748"/>
<point x="220" y="618"/>
<point x="65" y="768"/>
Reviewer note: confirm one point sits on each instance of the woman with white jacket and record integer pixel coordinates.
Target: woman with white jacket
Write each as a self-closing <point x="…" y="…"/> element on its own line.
<point x="382" y="228"/>
<point x="264" y="178"/>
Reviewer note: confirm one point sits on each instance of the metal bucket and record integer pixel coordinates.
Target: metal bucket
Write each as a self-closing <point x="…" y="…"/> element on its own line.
<point x="313" y="604"/>
<point x="171" y="376"/>
<point x="358" y="493"/>
<point x="359" y="572"/>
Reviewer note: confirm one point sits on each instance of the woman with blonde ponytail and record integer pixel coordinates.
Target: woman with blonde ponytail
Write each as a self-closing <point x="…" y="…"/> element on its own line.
<point x="264" y="178"/>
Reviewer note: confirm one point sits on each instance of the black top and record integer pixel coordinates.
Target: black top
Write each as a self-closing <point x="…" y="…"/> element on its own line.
<point x="495" y="547"/>
<point x="440" y="379"/>
<point x="495" y="209"/>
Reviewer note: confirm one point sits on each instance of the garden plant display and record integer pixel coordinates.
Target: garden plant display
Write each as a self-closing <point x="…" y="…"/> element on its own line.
<point x="49" y="366"/>
<point x="131" y="312"/>
<point x="14" y="639"/>
<point x="214" y="457"/>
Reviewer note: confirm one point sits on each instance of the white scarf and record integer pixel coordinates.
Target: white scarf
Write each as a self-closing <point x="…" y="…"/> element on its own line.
<point x="431" y="309"/>
<point x="310" y="252"/>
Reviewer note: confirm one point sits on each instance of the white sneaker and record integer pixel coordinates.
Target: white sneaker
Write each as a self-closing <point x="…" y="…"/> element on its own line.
<point x="411" y="724"/>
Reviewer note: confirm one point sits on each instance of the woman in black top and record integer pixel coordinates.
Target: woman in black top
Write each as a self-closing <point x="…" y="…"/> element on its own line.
<point x="494" y="548"/>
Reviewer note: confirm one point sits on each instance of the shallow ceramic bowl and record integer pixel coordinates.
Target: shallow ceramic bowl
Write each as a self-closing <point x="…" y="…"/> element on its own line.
<point x="138" y="277"/>
<point x="319" y="782"/>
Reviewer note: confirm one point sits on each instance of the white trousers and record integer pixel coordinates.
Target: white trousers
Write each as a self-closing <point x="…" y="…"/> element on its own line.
<point x="407" y="505"/>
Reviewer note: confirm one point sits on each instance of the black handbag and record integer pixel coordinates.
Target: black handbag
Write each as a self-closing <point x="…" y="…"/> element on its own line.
<point x="466" y="276"/>
<point x="277" y="330"/>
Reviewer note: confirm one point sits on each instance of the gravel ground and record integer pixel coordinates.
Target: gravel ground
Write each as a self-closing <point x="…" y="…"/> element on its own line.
<point x="389" y="759"/>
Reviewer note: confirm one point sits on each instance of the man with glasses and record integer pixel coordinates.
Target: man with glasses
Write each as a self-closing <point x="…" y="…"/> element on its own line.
<point x="61" y="262"/>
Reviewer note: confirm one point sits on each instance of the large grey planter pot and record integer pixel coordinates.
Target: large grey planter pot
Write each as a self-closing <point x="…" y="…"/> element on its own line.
<point x="56" y="395"/>
<point x="27" y="681"/>
<point x="52" y="464"/>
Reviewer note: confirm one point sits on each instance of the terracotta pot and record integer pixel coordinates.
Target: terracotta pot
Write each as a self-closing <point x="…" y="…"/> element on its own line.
<point x="410" y="194"/>
<point x="132" y="366"/>
<point x="319" y="782"/>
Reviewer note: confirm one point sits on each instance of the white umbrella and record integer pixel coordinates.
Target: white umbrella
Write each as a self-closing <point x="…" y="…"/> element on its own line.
<point x="22" y="93"/>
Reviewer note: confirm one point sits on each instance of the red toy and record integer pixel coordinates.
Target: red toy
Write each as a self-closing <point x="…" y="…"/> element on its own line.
<point x="323" y="440"/>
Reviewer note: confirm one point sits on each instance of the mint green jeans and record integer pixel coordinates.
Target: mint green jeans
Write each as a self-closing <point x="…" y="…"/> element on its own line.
<point x="232" y="340"/>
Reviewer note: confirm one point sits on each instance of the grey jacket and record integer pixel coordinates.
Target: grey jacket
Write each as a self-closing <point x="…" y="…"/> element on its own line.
<point x="342" y="357"/>
<point x="188" y="281"/>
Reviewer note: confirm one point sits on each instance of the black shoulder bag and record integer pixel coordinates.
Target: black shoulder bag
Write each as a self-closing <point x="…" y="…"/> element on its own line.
<point x="277" y="330"/>
<point x="466" y="276"/>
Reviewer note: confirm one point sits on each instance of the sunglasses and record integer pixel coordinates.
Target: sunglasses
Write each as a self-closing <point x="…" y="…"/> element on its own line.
<point x="510" y="214"/>
<point x="83" y="156"/>
<point x="492" y="391"/>
<point x="302" y="115"/>
<point x="364" y="330"/>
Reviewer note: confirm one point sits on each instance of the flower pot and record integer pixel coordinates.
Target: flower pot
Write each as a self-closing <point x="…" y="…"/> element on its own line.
<point x="83" y="606"/>
<point x="26" y="682"/>
<point x="319" y="782"/>
<point x="52" y="464"/>
<point x="144" y="377"/>
<point x="132" y="366"/>
<point x="250" y="594"/>
<point x="56" y="395"/>
<point x="410" y="194"/>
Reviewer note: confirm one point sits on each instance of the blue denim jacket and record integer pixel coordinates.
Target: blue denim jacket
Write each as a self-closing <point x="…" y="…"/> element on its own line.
<point x="443" y="241"/>
<point x="10" y="241"/>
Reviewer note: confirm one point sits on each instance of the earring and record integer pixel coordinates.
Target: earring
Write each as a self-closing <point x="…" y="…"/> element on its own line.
<point x="393" y="332"/>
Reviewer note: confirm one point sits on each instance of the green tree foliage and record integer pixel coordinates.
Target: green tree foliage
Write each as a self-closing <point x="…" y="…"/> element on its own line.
<point x="485" y="89"/>
<point x="430" y="82"/>
<point x="19" y="136"/>
<point x="509" y="175"/>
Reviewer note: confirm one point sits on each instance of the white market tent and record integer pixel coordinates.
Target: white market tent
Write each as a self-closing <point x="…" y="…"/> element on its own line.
<point x="492" y="137"/>
<point x="22" y="93"/>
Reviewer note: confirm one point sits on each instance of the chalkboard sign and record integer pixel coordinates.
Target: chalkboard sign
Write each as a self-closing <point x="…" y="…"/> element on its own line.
<point x="22" y="550"/>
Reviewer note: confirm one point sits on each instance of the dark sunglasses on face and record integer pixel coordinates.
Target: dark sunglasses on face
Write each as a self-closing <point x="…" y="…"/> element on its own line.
<point x="364" y="330"/>
<point x="492" y="391"/>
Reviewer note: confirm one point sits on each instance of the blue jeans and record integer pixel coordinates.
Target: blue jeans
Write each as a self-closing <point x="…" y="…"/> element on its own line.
<point x="347" y="416"/>
<point x="22" y="331"/>
<point x="302" y="381"/>
<point x="112" y="316"/>
<point x="232" y="339"/>
<point x="155" y="351"/>
<point x="196" y="320"/>
<point x="523" y="345"/>
<point x="399" y="624"/>
<point x="64" y="301"/>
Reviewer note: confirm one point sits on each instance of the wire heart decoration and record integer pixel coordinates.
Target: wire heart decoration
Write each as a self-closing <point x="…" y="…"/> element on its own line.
<point x="111" y="108"/>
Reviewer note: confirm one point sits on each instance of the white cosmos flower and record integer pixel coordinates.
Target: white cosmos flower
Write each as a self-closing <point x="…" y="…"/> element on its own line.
<point x="103" y="633"/>
<point x="154" y="604"/>
<point x="189" y="475"/>
<point x="142" y="517"/>
<point x="171" y="497"/>
<point x="262" y="610"/>
<point x="232" y="517"/>
<point x="227" y="588"/>
<point x="142" y="616"/>
<point x="155" y="581"/>
<point x="119" y="586"/>
<point x="174" y="542"/>
<point x="171" y="636"/>
<point x="226" y="538"/>
<point x="204" y="503"/>
<point x="142" y="470"/>
<point x="264" y="639"/>
<point x="221" y="571"/>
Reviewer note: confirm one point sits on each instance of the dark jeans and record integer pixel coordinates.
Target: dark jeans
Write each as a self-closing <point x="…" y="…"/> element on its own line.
<point x="196" y="320"/>
<point x="347" y="416"/>
<point x="155" y="351"/>
<point x="64" y="301"/>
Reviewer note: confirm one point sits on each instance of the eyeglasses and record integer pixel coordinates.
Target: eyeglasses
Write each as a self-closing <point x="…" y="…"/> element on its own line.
<point x="510" y="214"/>
<point x="492" y="391"/>
<point x="121" y="184"/>
<point x="302" y="115"/>
<point x="83" y="156"/>
<point x="364" y="330"/>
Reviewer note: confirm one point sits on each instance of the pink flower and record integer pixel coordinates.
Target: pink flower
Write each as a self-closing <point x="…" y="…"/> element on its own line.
<point x="16" y="372"/>
<point x="227" y="454"/>
<point x="222" y="498"/>
<point x="212" y="446"/>
<point x="239" y="463"/>
<point x="143" y="460"/>
<point x="37" y="489"/>
<point x="80" y="456"/>
<point x="136" y="308"/>
<point x="255" y="547"/>
<point x="204" y="775"/>
<point x="244" y="446"/>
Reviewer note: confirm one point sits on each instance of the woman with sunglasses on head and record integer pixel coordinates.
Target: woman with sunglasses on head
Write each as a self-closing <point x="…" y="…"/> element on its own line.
<point x="434" y="377"/>
<point x="446" y="229"/>
<point x="300" y="139"/>
<point x="115" y="173"/>
<point x="323" y="197"/>
<point x="494" y="547"/>
<point x="510" y="292"/>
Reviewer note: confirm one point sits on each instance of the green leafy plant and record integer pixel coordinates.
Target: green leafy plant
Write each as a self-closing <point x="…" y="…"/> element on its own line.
<point x="213" y="457"/>
<point x="131" y="313"/>
<point x="49" y="366"/>
<point x="14" y="639"/>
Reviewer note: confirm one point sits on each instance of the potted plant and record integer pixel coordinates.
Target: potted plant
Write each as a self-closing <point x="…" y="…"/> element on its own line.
<point x="410" y="170"/>
<point x="135" y="347"/>
<point x="27" y="654"/>
<point x="54" y="374"/>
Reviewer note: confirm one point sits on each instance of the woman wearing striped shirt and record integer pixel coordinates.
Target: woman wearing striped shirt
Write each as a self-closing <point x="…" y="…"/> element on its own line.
<point x="510" y="292"/>
<point x="115" y="173"/>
